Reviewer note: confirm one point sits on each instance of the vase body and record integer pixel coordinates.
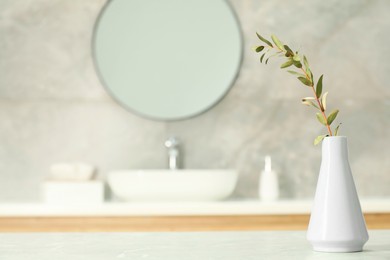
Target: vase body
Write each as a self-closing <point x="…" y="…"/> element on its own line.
<point x="336" y="222"/>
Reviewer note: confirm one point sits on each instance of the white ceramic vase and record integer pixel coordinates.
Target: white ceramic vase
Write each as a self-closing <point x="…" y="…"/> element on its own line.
<point x="336" y="222"/>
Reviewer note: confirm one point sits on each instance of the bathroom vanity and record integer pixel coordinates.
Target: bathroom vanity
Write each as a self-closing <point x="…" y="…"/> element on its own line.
<point x="178" y="216"/>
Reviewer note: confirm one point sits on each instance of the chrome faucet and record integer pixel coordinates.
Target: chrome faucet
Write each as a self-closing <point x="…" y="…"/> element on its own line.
<point x="172" y="144"/>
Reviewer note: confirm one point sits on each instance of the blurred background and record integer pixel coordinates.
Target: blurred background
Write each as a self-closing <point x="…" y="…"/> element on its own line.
<point x="53" y="108"/>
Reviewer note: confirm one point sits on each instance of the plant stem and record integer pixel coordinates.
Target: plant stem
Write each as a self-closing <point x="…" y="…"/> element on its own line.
<point x="315" y="94"/>
<point x="318" y="102"/>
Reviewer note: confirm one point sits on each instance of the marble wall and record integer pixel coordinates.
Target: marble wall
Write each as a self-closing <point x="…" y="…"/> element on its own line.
<point x="53" y="107"/>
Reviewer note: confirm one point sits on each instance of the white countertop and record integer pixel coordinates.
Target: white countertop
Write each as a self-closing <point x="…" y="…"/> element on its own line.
<point x="178" y="208"/>
<point x="182" y="246"/>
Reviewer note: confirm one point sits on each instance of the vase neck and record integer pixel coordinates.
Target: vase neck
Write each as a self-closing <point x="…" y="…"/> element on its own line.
<point x="335" y="147"/>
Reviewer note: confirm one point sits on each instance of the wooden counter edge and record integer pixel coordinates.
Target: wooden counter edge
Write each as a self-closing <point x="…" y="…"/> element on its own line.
<point x="171" y="223"/>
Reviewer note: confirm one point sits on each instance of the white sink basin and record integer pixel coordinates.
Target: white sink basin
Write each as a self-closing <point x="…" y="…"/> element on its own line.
<point x="172" y="185"/>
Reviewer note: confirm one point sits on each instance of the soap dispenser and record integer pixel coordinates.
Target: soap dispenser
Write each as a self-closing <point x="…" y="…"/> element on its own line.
<point x="268" y="182"/>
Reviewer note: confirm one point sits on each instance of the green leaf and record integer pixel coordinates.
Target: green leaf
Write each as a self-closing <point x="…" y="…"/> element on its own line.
<point x="319" y="139"/>
<point x="259" y="48"/>
<point x="308" y="98"/>
<point x="266" y="61"/>
<point x="309" y="103"/>
<point x="265" y="40"/>
<point x="305" y="81"/>
<point x="305" y="62"/>
<point x="323" y="100"/>
<point x="307" y="69"/>
<point x="336" y="131"/>
<point x="332" y="116"/>
<point x="321" y="118"/>
<point x="289" y="52"/>
<point x="296" y="73"/>
<point x="277" y="42"/>
<point x="319" y="86"/>
<point x="286" y="64"/>
<point x="262" y="57"/>
<point x="297" y="64"/>
<point x="308" y="72"/>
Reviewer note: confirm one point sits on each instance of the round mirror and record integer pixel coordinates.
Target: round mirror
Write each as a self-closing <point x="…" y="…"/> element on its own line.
<point x="167" y="59"/>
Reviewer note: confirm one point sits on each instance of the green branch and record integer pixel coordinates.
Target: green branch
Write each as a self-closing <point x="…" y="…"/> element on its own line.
<point x="302" y="71"/>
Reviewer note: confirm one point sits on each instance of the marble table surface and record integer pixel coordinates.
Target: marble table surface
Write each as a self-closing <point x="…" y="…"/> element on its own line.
<point x="192" y="245"/>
